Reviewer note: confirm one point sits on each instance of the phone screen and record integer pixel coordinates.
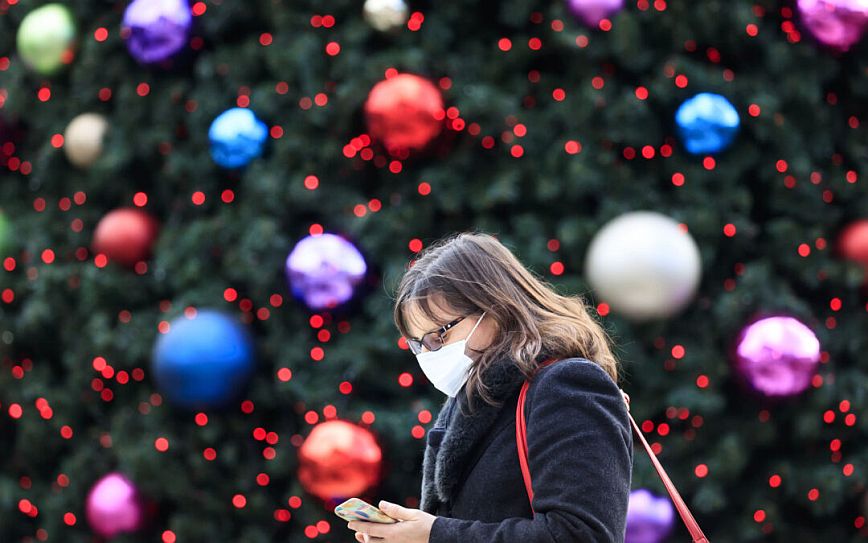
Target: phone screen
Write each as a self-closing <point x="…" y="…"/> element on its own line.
<point x="358" y="509"/>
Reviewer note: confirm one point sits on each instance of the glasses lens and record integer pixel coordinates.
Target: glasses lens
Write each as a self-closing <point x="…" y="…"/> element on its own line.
<point x="415" y="346"/>
<point x="432" y="341"/>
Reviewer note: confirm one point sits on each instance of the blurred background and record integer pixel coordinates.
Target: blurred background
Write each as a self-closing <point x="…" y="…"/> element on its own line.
<point x="206" y="207"/>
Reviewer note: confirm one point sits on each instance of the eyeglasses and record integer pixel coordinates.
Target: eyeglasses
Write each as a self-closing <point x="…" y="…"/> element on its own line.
<point x="431" y="340"/>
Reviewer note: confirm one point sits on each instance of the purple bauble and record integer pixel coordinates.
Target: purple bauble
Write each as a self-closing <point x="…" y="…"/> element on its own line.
<point x="649" y="518"/>
<point x="155" y="30"/>
<point x="777" y="356"/>
<point x="114" y="506"/>
<point x="836" y="23"/>
<point x="591" y="12"/>
<point x="324" y="269"/>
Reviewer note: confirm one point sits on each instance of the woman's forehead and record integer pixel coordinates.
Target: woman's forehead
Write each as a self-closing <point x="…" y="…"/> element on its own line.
<point x="419" y="322"/>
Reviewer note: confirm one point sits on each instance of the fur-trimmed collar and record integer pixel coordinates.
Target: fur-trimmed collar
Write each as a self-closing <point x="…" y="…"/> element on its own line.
<point x="456" y="433"/>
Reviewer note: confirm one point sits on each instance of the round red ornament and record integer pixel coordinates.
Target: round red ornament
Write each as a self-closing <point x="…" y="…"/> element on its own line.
<point x="405" y="113"/>
<point x="853" y="241"/>
<point x="125" y="236"/>
<point x="339" y="460"/>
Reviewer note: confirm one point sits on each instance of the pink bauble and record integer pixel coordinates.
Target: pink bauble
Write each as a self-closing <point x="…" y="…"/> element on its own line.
<point x="591" y="12"/>
<point x="777" y="356"/>
<point x="836" y="23"/>
<point x="114" y="506"/>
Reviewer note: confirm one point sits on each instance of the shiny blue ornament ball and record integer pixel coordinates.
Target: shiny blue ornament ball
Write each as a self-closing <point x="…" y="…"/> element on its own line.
<point x="707" y="123"/>
<point x="237" y="136"/>
<point x="203" y="362"/>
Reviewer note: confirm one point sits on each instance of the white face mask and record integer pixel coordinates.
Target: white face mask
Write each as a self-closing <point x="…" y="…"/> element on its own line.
<point x="448" y="367"/>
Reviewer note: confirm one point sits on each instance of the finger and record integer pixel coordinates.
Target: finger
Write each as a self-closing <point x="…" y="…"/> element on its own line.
<point x="396" y="511"/>
<point x="360" y="526"/>
<point x="374" y="530"/>
<point x="373" y="533"/>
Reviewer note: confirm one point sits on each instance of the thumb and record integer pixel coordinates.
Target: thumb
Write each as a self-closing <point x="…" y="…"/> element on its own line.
<point x="396" y="511"/>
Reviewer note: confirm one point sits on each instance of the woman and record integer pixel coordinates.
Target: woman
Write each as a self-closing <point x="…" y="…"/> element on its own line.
<point x="479" y="324"/>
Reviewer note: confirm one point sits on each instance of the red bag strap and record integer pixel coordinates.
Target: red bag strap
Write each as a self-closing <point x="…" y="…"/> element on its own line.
<point x="521" y="443"/>
<point x="521" y="437"/>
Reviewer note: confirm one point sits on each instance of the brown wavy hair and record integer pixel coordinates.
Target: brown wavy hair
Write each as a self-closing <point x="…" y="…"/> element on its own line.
<point x="473" y="272"/>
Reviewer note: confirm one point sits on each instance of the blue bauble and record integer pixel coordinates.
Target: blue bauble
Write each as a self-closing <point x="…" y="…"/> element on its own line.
<point x="204" y="361"/>
<point x="707" y="123"/>
<point x="237" y="136"/>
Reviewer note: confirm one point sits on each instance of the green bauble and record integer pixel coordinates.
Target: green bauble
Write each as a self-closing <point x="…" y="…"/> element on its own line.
<point x="5" y="236"/>
<point x="46" y="38"/>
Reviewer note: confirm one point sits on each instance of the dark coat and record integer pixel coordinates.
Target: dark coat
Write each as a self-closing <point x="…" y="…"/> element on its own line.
<point x="580" y="456"/>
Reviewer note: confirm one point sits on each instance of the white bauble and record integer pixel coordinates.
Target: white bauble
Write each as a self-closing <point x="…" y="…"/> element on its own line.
<point x="643" y="265"/>
<point x="83" y="139"/>
<point x="385" y="15"/>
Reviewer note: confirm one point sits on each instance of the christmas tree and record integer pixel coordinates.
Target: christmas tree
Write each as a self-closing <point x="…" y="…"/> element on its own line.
<point x="142" y="230"/>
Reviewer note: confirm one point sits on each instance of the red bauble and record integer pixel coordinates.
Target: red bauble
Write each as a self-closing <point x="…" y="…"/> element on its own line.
<point x="405" y="113"/>
<point x="853" y="245"/>
<point x="125" y="236"/>
<point x="339" y="460"/>
<point x="853" y="241"/>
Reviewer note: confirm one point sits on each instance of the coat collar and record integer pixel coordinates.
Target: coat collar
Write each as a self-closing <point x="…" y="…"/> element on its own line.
<point x="456" y="434"/>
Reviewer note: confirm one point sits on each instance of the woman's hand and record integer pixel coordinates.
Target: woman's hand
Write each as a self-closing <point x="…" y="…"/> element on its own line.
<point x="413" y="526"/>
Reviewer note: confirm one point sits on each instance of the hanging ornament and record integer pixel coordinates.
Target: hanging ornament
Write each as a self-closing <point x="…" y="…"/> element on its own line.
<point x="83" y="139"/>
<point x="405" y="113"/>
<point x="125" y="236"/>
<point x="644" y="265"/>
<point x="324" y="270"/>
<point x="385" y="15"/>
<point x="853" y="243"/>
<point x="5" y="236"/>
<point x="776" y="356"/>
<point x="156" y="30"/>
<point x="707" y="123"/>
<point x="339" y="460"/>
<point x="114" y="506"/>
<point x="204" y="361"/>
<point x="650" y="517"/>
<point x="591" y="12"/>
<point x="46" y="38"/>
<point x="838" y="24"/>
<point x="237" y="136"/>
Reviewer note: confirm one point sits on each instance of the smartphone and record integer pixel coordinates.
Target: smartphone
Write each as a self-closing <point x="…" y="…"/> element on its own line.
<point x="356" y="509"/>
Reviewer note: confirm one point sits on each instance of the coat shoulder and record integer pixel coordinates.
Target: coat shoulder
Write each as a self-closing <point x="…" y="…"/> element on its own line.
<point x="578" y="379"/>
<point x="574" y="369"/>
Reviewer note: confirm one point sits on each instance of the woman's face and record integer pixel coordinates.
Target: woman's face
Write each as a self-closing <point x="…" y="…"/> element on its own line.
<point x="419" y="324"/>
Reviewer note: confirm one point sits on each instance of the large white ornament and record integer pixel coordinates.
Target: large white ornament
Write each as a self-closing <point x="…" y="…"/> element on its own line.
<point x="643" y="265"/>
<point x="83" y="139"/>
<point x="385" y="15"/>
